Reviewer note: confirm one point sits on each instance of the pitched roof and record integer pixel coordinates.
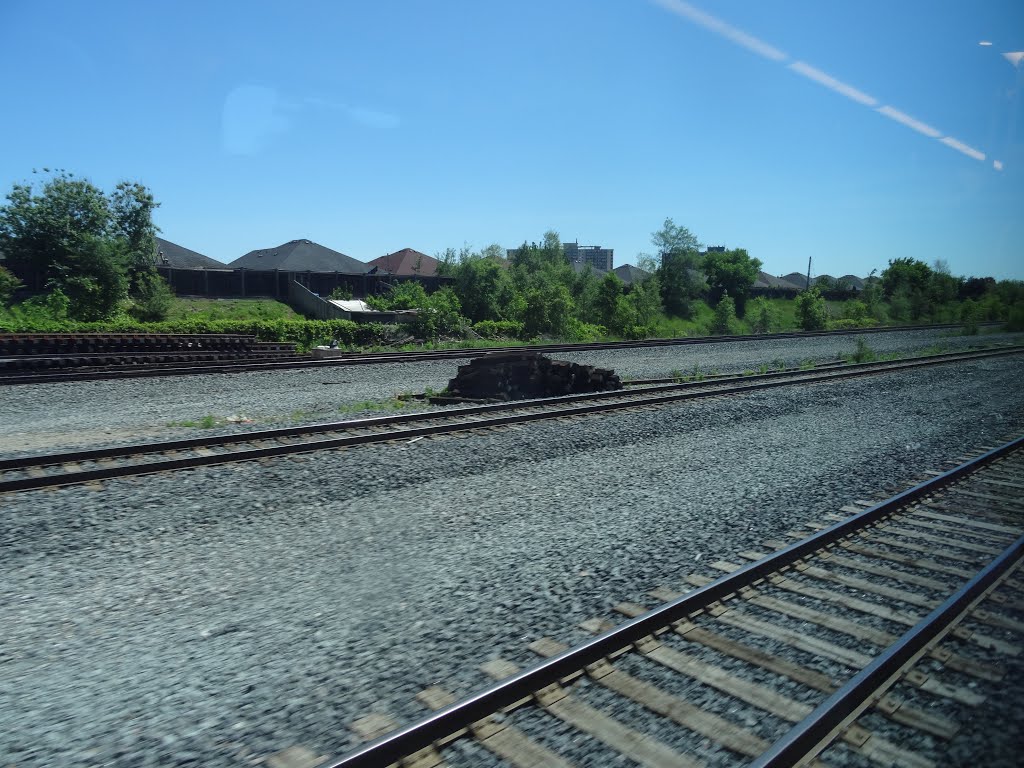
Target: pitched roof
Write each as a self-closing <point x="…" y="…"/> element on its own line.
<point x="178" y="257"/>
<point x="856" y="282"/>
<point x="579" y="267"/>
<point x="764" y="280"/>
<point x="629" y="274"/>
<point x="795" y="279"/>
<point x="406" y="262"/>
<point x="300" y="256"/>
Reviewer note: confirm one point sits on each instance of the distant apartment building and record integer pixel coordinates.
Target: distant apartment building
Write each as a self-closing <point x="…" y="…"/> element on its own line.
<point x="594" y="255"/>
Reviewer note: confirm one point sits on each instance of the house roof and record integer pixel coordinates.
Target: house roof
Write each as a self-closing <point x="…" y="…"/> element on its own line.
<point x="178" y="257"/>
<point x="300" y="256"/>
<point x="406" y="262"/>
<point x="579" y="267"/>
<point x="629" y="274"/>
<point x="764" y="280"/>
<point x="796" y="279"/>
<point x="856" y="282"/>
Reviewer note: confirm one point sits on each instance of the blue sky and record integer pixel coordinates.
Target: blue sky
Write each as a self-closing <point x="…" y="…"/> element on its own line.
<point x="373" y="126"/>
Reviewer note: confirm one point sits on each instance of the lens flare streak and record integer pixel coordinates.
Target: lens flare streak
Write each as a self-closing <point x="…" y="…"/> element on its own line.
<point x="739" y="37"/>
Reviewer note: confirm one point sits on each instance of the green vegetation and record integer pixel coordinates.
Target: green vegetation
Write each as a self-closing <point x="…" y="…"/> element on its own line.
<point x="206" y="422"/>
<point x="205" y="310"/>
<point x="92" y="252"/>
<point x="810" y="309"/>
<point x="725" y="316"/>
<point x="863" y="353"/>
<point x="731" y="273"/>
<point x="95" y="249"/>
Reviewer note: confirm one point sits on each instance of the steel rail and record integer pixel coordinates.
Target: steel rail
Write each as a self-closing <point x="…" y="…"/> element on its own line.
<point x="791" y="375"/>
<point x="804" y="740"/>
<point x="408" y="740"/>
<point x="623" y="399"/>
<point x="376" y="358"/>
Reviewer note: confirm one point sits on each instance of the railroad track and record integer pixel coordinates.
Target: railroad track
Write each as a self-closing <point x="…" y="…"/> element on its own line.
<point x="95" y="465"/>
<point x="870" y="639"/>
<point x="376" y="358"/>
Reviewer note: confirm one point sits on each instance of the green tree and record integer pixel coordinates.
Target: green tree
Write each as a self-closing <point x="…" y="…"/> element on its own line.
<point x="153" y="297"/>
<point x="673" y="238"/>
<point x="478" y="283"/>
<point x="8" y="285"/>
<point x="645" y="296"/>
<point x="725" y="315"/>
<point x="131" y="207"/>
<point x="906" y="283"/>
<point x="96" y="280"/>
<point x="733" y="273"/>
<point x="609" y="293"/>
<point x="762" y="316"/>
<point x="810" y="310"/>
<point x="678" y="275"/>
<point x="549" y="310"/>
<point x="65" y="232"/>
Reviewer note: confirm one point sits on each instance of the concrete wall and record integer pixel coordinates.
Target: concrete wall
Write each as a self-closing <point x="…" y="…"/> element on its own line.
<point x="308" y="303"/>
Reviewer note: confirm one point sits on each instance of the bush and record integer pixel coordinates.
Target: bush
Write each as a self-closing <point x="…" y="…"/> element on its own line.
<point x="499" y="329"/>
<point x="761" y="316"/>
<point x="725" y="316"/>
<point x="863" y="353"/>
<point x="969" y="314"/>
<point x="583" y="332"/>
<point x="1015" y="321"/>
<point x="810" y="310"/>
<point x="153" y="297"/>
<point x="8" y="285"/>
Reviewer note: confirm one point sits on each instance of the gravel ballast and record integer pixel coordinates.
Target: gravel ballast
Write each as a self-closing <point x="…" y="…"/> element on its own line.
<point x="44" y="418"/>
<point x="217" y="616"/>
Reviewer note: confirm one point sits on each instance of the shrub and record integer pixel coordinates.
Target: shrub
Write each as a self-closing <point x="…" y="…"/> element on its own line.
<point x="810" y="310"/>
<point x="846" y="323"/>
<point x="153" y="297"/>
<point x="1015" y="321"/>
<point x="762" y="316"/>
<point x="8" y="285"/>
<point x="725" y="316"/>
<point x="499" y="329"/>
<point x="863" y="353"/>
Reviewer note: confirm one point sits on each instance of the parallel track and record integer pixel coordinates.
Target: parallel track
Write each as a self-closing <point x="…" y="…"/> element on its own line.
<point x="374" y="358"/>
<point x="93" y="465"/>
<point x="850" y="640"/>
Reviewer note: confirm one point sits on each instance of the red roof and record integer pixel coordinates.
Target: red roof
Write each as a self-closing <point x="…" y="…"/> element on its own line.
<point x="407" y="262"/>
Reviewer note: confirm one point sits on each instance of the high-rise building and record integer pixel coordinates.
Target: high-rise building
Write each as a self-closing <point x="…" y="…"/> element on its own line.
<point x="594" y="255"/>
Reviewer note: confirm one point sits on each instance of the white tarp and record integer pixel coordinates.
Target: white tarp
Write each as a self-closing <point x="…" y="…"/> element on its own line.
<point x="351" y="305"/>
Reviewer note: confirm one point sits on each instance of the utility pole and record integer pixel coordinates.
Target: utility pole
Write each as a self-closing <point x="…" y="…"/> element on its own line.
<point x="809" y="272"/>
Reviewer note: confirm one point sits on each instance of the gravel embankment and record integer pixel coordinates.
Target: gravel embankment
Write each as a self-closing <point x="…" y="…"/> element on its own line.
<point x="217" y="616"/>
<point x="51" y="417"/>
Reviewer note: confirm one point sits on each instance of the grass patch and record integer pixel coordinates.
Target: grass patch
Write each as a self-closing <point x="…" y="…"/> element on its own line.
<point x="391" y="404"/>
<point x="208" y="421"/>
<point x="198" y="308"/>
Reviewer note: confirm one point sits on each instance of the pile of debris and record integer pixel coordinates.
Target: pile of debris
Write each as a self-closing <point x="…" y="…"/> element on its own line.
<point x="523" y="375"/>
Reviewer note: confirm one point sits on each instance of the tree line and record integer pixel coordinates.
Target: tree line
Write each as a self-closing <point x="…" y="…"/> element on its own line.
<point x="95" y="251"/>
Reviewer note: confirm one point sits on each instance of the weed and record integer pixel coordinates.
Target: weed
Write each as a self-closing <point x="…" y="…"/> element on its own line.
<point x="391" y="404"/>
<point x="206" y="422"/>
<point x="806" y="365"/>
<point x="863" y="353"/>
